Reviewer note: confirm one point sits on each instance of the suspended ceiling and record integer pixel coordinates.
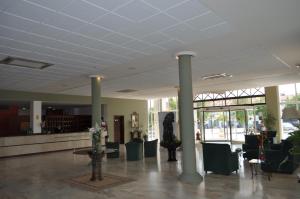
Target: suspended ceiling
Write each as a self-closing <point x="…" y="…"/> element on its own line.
<point x="132" y="43"/>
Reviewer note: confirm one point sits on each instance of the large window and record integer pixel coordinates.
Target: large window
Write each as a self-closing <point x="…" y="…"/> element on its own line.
<point x="289" y="98"/>
<point x="251" y="96"/>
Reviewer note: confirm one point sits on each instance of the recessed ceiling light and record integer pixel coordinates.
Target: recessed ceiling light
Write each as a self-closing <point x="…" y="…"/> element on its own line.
<point x="216" y="76"/>
<point x="27" y="63"/>
<point x="298" y="66"/>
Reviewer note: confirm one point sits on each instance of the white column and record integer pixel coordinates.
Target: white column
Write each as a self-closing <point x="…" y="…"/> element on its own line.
<point x="96" y="99"/>
<point x="36" y="116"/>
<point x="189" y="170"/>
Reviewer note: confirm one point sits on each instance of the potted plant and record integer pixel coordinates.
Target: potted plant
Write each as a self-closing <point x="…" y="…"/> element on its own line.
<point x="269" y="122"/>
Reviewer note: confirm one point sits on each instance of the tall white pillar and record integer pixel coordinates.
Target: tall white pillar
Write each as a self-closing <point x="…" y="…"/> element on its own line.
<point x="96" y="99"/>
<point x="189" y="170"/>
<point x="36" y="116"/>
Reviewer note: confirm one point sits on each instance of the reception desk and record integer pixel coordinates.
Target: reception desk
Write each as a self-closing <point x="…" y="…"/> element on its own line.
<point x="40" y="143"/>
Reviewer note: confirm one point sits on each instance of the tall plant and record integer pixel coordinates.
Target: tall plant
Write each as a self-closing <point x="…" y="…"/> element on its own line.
<point x="295" y="139"/>
<point x="269" y="121"/>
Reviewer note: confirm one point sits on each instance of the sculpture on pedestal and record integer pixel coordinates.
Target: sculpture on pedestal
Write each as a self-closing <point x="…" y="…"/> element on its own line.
<point x="169" y="139"/>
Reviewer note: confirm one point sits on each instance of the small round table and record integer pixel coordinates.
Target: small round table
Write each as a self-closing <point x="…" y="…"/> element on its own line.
<point x="254" y="163"/>
<point x="97" y="163"/>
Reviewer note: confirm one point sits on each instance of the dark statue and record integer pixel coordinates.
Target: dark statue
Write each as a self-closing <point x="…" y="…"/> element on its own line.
<point x="169" y="139"/>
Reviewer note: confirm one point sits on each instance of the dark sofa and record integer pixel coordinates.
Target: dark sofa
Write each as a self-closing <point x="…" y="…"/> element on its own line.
<point x="115" y="146"/>
<point x="150" y="148"/>
<point x="134" y="151"/>
<point x="279" y="159"/>
<point x="219" y="158"/>
<point x="251" y="147"/>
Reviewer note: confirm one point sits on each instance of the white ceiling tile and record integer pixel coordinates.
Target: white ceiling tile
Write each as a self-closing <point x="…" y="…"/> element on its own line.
<point x="53" y="4"/>
<point x="205" y="21"/>
<point x="149" y="26"/>
<point x="5" y="4"/>
<point x="84" y="41"/>
<point x="109" y="5"/>
<point x="63" y="21"/>
<point x="160" y="21"/>
<point x="137" y="45"/>
<point x="188" y="10"/>
<point x="16" y="22"/>
<point x="183" y="33"/>
<point x="83" y="10"/>
<point x="117" y="39"/>
<point x="115" y="23"/>
<point x="172" y="44"/>
<point x="216" y="31"/>
<point x="138" y="31"/>
<point x="86" y="51"/>
<point x="123" y="51"/>
<point x="14" y="52"/>
<point x="26" y="37"/>
<point x="93" y="31"/>
<point x="136" y="11"/>
<point x="153" y="50"/>
<point x="163" y="4"/>
<point x="49" y="31"/>
<point x="156" y="38"/>
<point x="29" y="11"/>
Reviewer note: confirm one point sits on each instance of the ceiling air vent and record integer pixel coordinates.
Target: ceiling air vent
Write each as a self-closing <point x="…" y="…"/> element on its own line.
<point x="27" y="63"/>
<point x="216" y="76"/>
<point x="127" y="91"/>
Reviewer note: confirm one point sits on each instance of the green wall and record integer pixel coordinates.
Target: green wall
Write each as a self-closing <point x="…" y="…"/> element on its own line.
<point x="114" y="106"/>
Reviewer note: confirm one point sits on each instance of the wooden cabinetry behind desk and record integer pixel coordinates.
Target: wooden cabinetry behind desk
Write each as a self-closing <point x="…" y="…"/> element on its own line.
<point x="67" y="123"/>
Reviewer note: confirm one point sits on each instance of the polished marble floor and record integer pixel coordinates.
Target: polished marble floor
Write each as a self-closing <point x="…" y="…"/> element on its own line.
<point x="42" y="176"/>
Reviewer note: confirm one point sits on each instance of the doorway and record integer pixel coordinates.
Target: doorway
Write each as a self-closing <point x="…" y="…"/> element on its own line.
<point x="225" y="124"/>
<point x="119" y="128"/>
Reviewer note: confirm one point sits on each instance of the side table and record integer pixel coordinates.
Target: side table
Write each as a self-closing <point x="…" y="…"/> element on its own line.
<point x="254" y="163"/>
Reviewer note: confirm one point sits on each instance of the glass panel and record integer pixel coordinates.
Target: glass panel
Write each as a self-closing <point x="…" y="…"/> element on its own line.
<point x="256" y="100"/>
<point x="216" y="126"/>
<point x="208" y="104"/>
<point x="172" y="104"/>
<point x="238" y="124"/>
<point x="244" y="101"/>
<point x="219" y="103"/>
<point x="260" y="113"/>
<point x="287" y="93"/>
<point x="231" y="102"/>
<point x="298" y="89"/>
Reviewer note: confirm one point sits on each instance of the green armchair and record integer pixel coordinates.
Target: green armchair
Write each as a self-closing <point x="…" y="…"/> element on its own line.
<point x="116" y="147"/>
<point x="150" y="148"/>
<point x="219" y="158"/>
<point x="134" y="151"/>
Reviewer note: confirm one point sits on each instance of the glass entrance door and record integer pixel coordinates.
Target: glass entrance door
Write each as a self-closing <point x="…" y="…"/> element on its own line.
<point x="216" y="126"/>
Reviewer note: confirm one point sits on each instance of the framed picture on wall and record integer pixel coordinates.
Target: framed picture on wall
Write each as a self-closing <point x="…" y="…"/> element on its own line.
<point x="134" y="120"/>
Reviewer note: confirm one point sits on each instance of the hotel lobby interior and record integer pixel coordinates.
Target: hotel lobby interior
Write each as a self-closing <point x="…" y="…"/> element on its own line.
<point x="149" y="99"/>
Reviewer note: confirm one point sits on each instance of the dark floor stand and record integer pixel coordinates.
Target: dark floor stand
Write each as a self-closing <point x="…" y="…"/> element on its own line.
<point x="97" y="166"/>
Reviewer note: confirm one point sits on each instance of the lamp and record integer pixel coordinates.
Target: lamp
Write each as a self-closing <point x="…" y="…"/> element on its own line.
<point x="290" y="113"/>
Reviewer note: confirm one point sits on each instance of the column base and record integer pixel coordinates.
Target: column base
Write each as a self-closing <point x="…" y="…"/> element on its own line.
<point x="194" y="178"/>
